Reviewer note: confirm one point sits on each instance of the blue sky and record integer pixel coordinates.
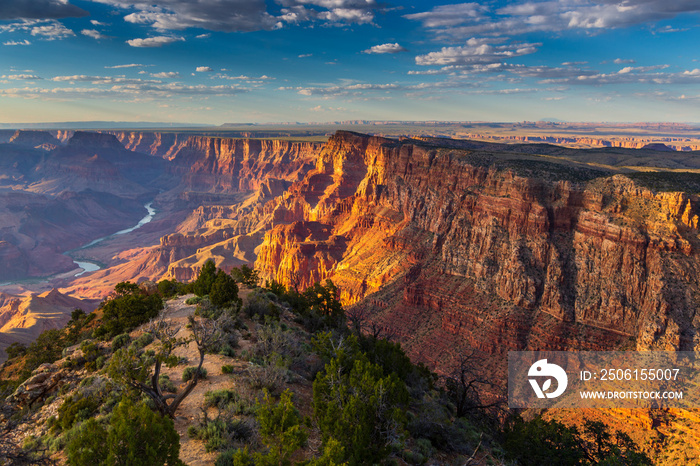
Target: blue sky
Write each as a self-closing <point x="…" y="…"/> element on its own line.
<point x="217" y="61"/>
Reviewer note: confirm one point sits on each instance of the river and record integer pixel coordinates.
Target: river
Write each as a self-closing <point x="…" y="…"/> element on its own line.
<point x="88" y="266"/>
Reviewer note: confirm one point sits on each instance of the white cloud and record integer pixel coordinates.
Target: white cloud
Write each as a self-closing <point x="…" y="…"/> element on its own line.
<point x="450" y="15"/>
<point x="166" y="74"/>
<point x="102" y="79"/>
<point x="363" y="89"/>
<point x="21" y="42"/>
<point x="476" y="51"/>
<point x="130" y="65"/>
<point x="204" y="69"/>
<point x="157" y="41"/>
<point x="385" y="48"/>
<point x="22" y="77"/>
<point x="94" y="33"/>
<point x="203" y="36"/>
<point x="94" y="22"/>
<point x="145" y="90"/>
<point x="305" y="55"/>
<point x="52" y="31"/>
<point x="335" y="12"/>
<point x="243" y="77"/>
<point x="551" y="16"/>
<point x="219" y="15"/>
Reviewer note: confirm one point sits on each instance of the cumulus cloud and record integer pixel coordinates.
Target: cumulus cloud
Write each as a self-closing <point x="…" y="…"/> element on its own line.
<point x="157" y="41"/>
<point x="14" y="42"/>
<point x="330" y="11"/>
<point x="52" y="31"/>
<point x="130" y="65"/>
<point x="128" y="91"/>
<point x="21" y="77"/>
<point x="204" y="69"/>
<point x="46" y="29"/>
<point x="220" y="15"/>
<point x="472" y="19"/>
<point x="631" y="75"/>
<point x="476" y="51"/>
<point x="94" y="33"/>
<point x="102" y="79"/>
<point x="39" y="9"/>
<point x="166" y="74"/>
<point x="362" y="90"/>
<point x="385" y="48"/>
<point x="450" y="15"/>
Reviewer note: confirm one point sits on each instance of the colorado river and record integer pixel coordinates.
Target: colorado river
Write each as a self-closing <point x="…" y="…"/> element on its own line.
<point x="84" y="265"/>
<point x="88" y="266"/>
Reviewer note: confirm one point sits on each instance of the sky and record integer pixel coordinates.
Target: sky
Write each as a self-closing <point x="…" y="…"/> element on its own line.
<point x="256" y="61"/>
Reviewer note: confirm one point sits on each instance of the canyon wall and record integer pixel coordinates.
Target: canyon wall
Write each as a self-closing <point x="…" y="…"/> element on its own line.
<point x="453" y="248"/>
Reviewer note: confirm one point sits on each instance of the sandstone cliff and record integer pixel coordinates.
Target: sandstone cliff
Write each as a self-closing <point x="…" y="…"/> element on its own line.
<point x="231" y="165"/>
<point x="23" y="318"/>
<point x="454" y="247"/>
<point x="164" y="145"/>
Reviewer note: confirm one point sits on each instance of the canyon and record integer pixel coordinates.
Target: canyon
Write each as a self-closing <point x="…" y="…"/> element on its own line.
<point x="446" y="244"/>
<point x="489" y="245"/>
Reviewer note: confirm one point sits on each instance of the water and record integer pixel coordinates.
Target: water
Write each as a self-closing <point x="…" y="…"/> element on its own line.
<point x="87" y="266"/>
<point x="142" y="222"/>
<point x="93" y="267"/>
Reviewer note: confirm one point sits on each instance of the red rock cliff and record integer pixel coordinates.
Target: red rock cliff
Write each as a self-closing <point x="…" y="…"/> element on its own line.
<point x="446" y="248"/>
<point x="230" y="165"/>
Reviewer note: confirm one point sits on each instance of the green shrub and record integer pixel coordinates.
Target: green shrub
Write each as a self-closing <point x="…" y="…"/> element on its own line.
<point x="127" y="309"/>
<point x="281" y="427"/>
<point x="170" y="288"/>
<point x="15" y="349"/>
<point x="259" y="307"/>
<point x="120" y="341"/>
<point x="270" y="378"/>
<point x="238" y="457"/>
<point x="76" y="408"/>
<point x="220" y="398"/>
<point x="220" y="434"/>
<point x="227" y="369"/>
<point x="246" y="275"/>
<point x="86" y="444"/>
<point x="189" y="372"/>
<point x="142" y="341"/>
<point x="100" y="362"/>
<point x="194" y="300"/>
<point x="136" y="436"/>
<point x="348" y="408"/>
<point x="205" y="280"/>
<point x="224" y="291"/>
<point x="166" y="384"/>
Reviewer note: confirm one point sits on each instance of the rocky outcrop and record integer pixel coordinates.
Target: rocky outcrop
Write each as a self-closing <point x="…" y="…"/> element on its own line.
<point x="231" y="165"/>
<point x="93" y="140"/>
<point x="34" y="139"/>
<point x="164" y="145"/>
<point x="44" y="381"/>
<point x="456" y="241"/>
<point x="660" y="144"/>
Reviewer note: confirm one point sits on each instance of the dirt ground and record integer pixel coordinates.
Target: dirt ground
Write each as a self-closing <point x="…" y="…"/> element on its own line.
<point x="192" y="452"/>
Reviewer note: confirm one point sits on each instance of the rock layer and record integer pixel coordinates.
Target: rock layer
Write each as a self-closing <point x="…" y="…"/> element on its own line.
<point x="454" y="245"/>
